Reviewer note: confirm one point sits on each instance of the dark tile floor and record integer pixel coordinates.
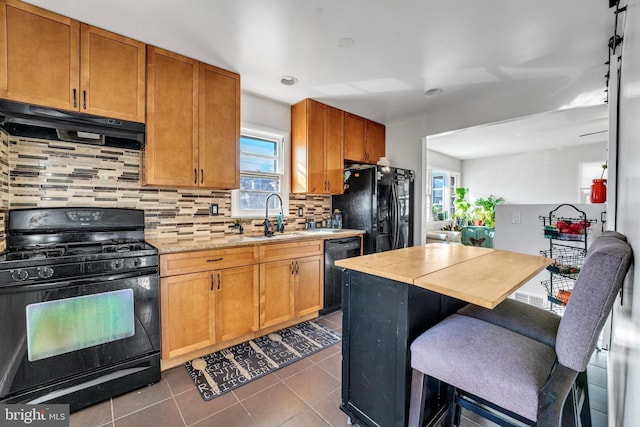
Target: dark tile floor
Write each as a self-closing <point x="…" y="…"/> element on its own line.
<point x="303" y="394"/>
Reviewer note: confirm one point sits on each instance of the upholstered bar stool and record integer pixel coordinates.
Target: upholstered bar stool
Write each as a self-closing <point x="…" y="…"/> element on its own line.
<point x="533" y="322"/>
<point x="505" y="375"/>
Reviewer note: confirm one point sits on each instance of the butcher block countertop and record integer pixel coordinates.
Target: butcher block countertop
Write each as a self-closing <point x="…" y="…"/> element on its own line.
<point x="481" y="276"/>
<point x="173" y="245"/>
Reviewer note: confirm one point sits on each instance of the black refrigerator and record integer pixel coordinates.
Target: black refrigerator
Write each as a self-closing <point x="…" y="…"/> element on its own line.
<point x="378" y="200"/>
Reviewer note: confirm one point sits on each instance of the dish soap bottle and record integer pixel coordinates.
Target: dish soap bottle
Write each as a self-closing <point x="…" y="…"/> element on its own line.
<point x="336" y="219"/>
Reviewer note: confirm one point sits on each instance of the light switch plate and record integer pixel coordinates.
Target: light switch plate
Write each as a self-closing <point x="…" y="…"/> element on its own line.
<point x="300" y="211"/>
<point x="213" y="209"/>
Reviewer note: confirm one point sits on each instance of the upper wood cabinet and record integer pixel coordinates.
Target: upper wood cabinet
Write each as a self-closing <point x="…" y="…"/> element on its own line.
<point x="112" y="75"/>
<point x="193" y="123"/>
<point x="317" y="161"/>
<point x="54" y="61"/>
<point x="364" y="140"/>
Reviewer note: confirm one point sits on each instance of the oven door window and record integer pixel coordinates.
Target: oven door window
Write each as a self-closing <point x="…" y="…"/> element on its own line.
<point x="65" y="325"/>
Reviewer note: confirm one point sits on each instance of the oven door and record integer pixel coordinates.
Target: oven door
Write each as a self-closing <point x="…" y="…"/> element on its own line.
<point x="52" y="332"/>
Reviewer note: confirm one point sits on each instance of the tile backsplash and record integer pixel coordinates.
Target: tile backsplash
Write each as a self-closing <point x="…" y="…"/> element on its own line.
<point x="43" y="173"/>
<point x="4" y="186"/>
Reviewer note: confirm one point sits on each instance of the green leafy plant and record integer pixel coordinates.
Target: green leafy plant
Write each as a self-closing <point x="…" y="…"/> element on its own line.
<point x="604" y="168"/>
<point x="485" y="211"/>
<point x="461" y="215"/>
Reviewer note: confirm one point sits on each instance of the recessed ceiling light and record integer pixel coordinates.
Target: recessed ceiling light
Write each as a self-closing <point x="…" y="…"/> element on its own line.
<point x="288" y="80"/>
<point x="346" y="43"/>
<point x="434" y="92"/>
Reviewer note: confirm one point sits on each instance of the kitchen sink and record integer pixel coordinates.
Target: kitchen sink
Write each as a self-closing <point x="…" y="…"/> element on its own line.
<point x="324" y="230"/>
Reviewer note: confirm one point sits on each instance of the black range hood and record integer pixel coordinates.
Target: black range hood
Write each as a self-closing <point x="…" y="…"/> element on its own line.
<point x="33" y="121"/>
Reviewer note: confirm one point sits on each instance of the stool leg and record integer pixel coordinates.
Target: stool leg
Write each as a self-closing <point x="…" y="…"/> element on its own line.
<point x="418" y="397"/>
<point x="453" y="413"/>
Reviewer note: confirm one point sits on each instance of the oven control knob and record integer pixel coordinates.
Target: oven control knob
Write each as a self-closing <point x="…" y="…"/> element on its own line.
<point x="134" y="262"/>
<point x="19" y="275"/>
<point x="45" y="272"/>
<point x="117" y="264"/>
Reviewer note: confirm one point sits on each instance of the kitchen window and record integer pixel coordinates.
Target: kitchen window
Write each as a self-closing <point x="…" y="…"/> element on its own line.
<point x="263" y="156"/>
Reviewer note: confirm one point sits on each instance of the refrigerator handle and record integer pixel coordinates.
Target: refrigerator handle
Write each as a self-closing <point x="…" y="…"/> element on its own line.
<point x="395" y="217"/>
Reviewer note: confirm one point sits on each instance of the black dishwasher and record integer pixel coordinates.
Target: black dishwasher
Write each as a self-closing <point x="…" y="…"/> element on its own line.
<point x="336" y="249"/>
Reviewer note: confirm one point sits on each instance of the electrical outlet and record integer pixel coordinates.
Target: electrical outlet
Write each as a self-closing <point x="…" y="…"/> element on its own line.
<point x="213" y="209"/>
<point x="516" y="217"/>
<point x="300" y="211"/>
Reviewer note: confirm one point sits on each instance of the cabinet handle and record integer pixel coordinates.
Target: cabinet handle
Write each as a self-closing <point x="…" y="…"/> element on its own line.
<point x="215" y="259"/>
<point x="219" y="281"/>
<point x="293" y="270"/>
<point x="84" y="99"/>
<point x="297" y="267"/>
<point x="195" y="176"/>
<point x="328" y="185"/>
<point x="75" y="98"/>
<point x="212" y="281"/>
<point x="201" y="176"/>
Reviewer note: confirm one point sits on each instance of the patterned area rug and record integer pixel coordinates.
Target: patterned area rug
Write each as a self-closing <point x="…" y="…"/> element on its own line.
<point x="224" y="370"/>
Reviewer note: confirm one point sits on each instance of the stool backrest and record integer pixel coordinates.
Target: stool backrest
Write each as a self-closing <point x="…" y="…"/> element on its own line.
<point x="594" y="292"/>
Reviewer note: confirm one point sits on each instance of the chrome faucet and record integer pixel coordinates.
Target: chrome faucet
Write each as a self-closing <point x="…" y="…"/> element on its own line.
<point x="268" y="227"/>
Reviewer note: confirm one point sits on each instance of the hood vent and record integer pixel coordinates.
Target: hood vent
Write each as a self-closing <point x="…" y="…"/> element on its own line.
<point x="45" y="123"/>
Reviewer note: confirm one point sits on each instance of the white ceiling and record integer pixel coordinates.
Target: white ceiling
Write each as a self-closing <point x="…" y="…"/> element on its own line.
<point x="547" y="53"/>
<point x="546" y="131"/>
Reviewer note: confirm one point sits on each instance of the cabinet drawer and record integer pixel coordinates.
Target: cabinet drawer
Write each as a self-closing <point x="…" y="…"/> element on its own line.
<point x="214" y="259"/>
<point x="290" y="250"/>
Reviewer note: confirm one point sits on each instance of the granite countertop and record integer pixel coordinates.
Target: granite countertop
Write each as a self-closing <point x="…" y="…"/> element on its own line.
<point x="173" y="245"/>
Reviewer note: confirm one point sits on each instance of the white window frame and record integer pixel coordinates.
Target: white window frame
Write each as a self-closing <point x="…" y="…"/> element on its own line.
<point x="282" y="139"/>
<point x="448" y="196"/>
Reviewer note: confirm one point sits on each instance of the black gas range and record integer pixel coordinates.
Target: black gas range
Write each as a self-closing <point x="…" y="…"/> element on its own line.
<point x="79" y="312"/>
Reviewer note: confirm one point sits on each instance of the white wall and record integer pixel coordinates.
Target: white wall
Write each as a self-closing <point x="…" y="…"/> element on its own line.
<point x="549" y="176"/>
<point x="264" y="112"/>
<point x="624" y="388"/>
<point x="404" y="144"/>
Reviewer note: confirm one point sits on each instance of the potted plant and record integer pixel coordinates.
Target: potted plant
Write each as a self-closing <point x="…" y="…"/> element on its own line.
<point x="485" y="211"/>
<point x="461" y="215"/>
<point x="483" y="219"/>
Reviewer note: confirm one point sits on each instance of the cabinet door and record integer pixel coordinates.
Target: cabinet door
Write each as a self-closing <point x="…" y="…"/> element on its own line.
<point x="316" y="167"/>
<point x="237" y="301"/>
<point x="187" y="313"/>
<point x="39" y="56"/>
<point x="170" y="153"/>
<point x="354" y="130"/>
<point x="112" y="75"/>
<point x="219" y="135"/>
<point x="375" y="138"/>
<point x="334" y="160"/>
<point x="276" y="292"/>
<point x="308" y="285"/>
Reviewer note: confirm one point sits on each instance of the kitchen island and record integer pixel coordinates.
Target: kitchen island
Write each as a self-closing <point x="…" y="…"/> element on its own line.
<point x="390" y="298"/>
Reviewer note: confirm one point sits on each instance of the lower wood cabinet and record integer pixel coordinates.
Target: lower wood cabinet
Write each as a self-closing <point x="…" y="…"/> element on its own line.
<point x="202" y="309"/>
<point x="213" y="296"/>
<point x="290" y="286"/>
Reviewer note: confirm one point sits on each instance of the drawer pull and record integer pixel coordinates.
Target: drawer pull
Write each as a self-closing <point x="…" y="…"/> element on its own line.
<point x="215" y="259"/>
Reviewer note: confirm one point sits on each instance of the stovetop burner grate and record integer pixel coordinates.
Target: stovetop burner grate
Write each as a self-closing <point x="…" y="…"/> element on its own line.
<point x="69" y="249"/>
